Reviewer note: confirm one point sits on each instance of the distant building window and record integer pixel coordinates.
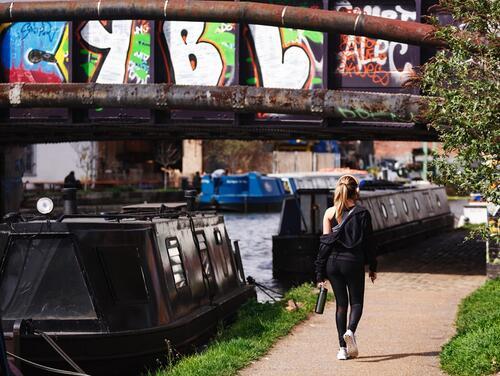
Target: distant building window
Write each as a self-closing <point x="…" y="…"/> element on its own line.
<point x="174" y="255"/>
<point x="438" y="201"/>
<point x="383" y="209"/>
<point x="29" y="160"/>
<point x="417" y="204"/>
<point x="405" y="206"/>
<point x="393" y="208"/>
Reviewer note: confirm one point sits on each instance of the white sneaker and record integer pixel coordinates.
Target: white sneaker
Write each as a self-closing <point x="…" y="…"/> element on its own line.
<point x="352" y="347"/>
<point x="342" y="354"/>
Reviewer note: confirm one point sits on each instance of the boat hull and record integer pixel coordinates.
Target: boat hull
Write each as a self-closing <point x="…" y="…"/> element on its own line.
<point x="131" y="352"/>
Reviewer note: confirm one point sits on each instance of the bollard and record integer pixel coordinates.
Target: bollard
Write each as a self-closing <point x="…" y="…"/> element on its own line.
<point x="69" y="198"/>
<point x="190" y="196"/>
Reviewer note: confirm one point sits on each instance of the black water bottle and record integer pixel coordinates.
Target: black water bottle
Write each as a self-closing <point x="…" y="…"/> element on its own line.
<point x="320" y="302"/>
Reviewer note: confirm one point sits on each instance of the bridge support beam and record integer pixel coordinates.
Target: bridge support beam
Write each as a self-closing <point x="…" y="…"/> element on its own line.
<point x="347" y="105"/>
<point x="11" y="173"/>
<point x="223" y="11"/>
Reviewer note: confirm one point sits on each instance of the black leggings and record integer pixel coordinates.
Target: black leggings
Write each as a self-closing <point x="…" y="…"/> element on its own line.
<point x="344" y="276"/>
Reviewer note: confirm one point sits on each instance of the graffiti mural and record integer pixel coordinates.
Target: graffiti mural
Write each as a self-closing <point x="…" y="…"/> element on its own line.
<point x="35" y="52"/>
<point x="208" y="53"/>
<point x="116" y="51"/>
<point x="199" y="53"/>
<point x="280" y="57"/>
<point x="375" y="62"/>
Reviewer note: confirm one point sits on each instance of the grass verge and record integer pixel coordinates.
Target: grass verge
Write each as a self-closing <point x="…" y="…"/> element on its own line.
<point x="257" y="328"/>
<point x="475" y="349"/>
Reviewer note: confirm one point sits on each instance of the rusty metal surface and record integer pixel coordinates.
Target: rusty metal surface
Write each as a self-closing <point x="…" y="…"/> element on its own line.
<point x="224" y="11"/>
<point x="239" y="99"/>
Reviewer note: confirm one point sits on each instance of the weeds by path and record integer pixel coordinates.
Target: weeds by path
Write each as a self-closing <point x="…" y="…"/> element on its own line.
<point x="257" y="328"/>
<point x="475" y="349"/>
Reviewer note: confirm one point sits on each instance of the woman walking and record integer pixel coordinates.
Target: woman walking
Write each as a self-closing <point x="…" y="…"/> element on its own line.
<point x="345" y="247"/>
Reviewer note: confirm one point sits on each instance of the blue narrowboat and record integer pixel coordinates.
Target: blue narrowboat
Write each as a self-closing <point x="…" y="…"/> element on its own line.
<point x="244" y="192"/>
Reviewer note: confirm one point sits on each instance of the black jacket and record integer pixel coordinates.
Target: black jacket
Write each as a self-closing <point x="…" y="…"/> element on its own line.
<point x="353" y="241"/>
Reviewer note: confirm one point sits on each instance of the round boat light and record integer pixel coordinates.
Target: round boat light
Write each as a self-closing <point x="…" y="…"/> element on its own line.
<point x="45" y="205"/>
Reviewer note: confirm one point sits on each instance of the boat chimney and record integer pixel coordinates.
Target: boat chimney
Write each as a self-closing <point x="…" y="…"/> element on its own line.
<point x="69" y="198"/>
<point x="190" y="196"/>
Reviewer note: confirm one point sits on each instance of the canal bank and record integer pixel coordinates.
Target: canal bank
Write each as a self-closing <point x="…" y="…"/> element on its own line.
<point x="409" y="314"/>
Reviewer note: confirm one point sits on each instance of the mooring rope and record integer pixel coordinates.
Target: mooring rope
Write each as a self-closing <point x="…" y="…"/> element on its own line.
<point x="264" y="288"/>
<point x="46" y="368"/>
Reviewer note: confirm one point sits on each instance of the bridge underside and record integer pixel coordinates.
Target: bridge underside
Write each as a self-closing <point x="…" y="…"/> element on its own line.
<point x="42" y="132"/>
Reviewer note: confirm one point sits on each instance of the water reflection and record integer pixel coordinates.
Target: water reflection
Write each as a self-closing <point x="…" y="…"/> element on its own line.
<point x="255" y="231"/>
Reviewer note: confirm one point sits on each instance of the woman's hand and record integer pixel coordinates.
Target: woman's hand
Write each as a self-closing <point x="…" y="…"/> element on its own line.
<point x="320" y="284"/>
<point x="373" y="276"/>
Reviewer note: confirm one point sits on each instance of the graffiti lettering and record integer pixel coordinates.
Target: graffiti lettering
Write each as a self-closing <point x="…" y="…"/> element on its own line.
<point x="138" y="65"/>
<point x="114" y="66"/>
<point x="281" y="65"/>
<point x="374" y="59"/>
<point x="38" y="29"/>
<point x="360" y="113"/>
<point x="195" y="61"/>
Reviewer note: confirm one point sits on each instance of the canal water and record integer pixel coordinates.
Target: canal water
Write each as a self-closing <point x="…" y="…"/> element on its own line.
<point x="254" y="232"/>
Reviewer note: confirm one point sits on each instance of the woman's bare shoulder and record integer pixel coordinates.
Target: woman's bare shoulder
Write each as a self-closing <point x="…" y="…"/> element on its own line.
<point x="330" y="212"/>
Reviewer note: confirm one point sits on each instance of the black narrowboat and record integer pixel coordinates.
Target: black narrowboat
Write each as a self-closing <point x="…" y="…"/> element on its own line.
<point x="398" y="215"/>
<point x="117" y="293"/>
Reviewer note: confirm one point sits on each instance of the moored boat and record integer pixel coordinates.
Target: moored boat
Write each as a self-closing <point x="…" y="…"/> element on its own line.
<point x="398" y="215"/>
<point x="244" y="192"/>
<point x="117" y="292"/>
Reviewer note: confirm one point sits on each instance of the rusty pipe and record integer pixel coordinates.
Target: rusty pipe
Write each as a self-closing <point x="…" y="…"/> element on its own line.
<point x="240" y="99"/>
<point x="224" y="11"/>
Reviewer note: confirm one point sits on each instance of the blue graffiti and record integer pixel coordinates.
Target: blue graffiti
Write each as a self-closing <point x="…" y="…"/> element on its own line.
<point x="28" y="51"/>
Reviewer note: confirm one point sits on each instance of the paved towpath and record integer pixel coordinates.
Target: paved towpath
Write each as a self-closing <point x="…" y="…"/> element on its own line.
<point x="409" y="314"/>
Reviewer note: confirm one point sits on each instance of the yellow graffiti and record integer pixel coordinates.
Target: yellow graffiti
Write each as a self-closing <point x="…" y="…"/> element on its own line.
<point x="62" y="53"/>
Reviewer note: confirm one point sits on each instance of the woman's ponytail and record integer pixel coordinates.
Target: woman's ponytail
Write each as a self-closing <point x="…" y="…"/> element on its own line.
<point x="347" y="188"/>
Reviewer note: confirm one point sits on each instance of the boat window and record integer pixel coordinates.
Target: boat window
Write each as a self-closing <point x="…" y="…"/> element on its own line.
<point x="222" y="254"/>
<point x="205" y="258"/>
<point x="417" y="204"/>
<point x="124" y="274"/>
<point x="438" y="201"/>
<point x="393" y="208"/>
<point x="174" y="255"/>
<point x="429" y="201"/>
<point x="217" y="236"/>
<point x="384" y="211"/>
<point x="405" y="206"/>
<point x="42" y="279"/>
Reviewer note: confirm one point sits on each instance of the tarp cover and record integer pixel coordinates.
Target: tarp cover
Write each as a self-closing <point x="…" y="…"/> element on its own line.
<point x="42" y="280"/>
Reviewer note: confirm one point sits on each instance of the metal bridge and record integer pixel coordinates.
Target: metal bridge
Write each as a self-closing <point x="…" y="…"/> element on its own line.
<point x="116" y="69"/>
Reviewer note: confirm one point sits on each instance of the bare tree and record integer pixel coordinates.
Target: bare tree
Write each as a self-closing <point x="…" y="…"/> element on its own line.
<point x="87" y="157"/>
<point x="167" y="154"/>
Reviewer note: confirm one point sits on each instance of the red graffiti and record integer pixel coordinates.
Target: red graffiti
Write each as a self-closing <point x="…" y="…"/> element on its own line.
<point x="358" y="59"/>
<point x="362" y="57"/>
<point x="25" y="75"/>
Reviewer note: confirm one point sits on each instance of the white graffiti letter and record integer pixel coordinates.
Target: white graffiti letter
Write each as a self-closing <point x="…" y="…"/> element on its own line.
<point x="117" y="41"/>
<point x="280" y="68"/>
<point x="194" y="63"/>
